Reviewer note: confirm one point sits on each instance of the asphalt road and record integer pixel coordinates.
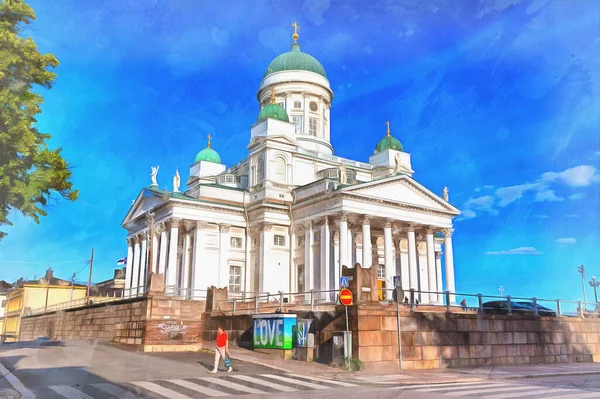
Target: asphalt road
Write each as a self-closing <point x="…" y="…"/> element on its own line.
<point x="79" y="370"/>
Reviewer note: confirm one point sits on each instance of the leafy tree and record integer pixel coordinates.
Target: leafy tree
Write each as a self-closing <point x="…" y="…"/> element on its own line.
<point x="30" y="172"/>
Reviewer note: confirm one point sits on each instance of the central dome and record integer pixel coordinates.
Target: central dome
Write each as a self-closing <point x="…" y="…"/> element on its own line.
<point x="295" y="60"/>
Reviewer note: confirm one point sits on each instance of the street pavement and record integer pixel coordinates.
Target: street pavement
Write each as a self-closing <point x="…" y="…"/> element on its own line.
<point x="82" y="370"/>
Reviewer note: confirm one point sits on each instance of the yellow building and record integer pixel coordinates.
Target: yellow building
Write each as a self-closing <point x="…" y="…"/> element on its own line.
<point x="34" y="297"/>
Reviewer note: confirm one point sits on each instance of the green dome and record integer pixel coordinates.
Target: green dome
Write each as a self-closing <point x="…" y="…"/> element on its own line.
<point x="389" y="143"/>
<point x="295" y="60"/>
<point x="208" y="154"/>
<point x="273" y="111"/>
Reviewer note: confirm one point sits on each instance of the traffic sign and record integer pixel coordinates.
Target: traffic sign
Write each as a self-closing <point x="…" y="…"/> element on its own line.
<point x="346" y="297"/>
<point x="397" y="282"/>
<point x="344" y="282"/>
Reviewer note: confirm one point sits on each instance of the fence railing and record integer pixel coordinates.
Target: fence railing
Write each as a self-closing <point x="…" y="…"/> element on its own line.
<point x="70" y="304"/>
<point x="417" y="300"/>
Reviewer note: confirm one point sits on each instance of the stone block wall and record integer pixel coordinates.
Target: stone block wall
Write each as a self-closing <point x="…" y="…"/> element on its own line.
<point x="436" y="340"/>
<point x="122" y="321"/>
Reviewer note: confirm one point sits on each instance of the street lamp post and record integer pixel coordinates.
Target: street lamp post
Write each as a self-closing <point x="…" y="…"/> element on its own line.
<point x="581" y="270"/>
<point x="594" y="284"/>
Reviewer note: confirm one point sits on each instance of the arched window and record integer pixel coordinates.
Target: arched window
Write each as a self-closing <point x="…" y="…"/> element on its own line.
<point x="260" y="168"/>
<point x="279" y="170"/>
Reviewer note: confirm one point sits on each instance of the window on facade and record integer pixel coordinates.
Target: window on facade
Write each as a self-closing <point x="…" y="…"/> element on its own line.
<point x="312" y="126"/>
<point x="260" y="168"/>
<point x="314" y="107"/>
<point x="297" y="120"/>
<point x="381" y="271"/>
<point x="297" y="104"/>
<point x="279" y="170"/>
<point x="279" y="240"/>
<point x="235" y="242"/>
<point x="3" y="305"/>
<point x="300" y="278"/>
<point x="235" y="279"/>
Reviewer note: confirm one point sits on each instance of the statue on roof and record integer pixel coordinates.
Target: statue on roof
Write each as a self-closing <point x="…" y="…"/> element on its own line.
<point x="343" y="178"/>
<point x="398" y="161"/>
<point x="445" y="193"/>
<point x="176" y="181"/>
<point x="153" y="175"/>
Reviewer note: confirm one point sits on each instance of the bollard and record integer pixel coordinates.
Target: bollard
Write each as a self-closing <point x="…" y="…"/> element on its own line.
<point x="535" y="308"/>
<point x="234" y="303"/>
<point x="281" y="301"/>
<point x="558" y="312"/>
<point x="480" y="300"/>
<point x="448" y="309"/>
<point x="509" y="304"/>
<point x="412" y="299"/>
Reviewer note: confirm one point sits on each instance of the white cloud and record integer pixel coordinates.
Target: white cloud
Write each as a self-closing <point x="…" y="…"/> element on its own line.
<point x="576" y="196"/>
<point x="516" y="251"/>
<point x="579" y="176"/>
<point x="488" y="187"/>
<point x="502" y="133"/>
<point x="220" y="36"/>
<point x="540" y="216"/>
<point x="547" y="196"/>
<point x="572" y="215"/>
<point x="314" y="9"/>
<point x="508" y="195"/>
<point x="564" y="241"/>
<point x="468" y="214"/>
<point x="483" y="204"/>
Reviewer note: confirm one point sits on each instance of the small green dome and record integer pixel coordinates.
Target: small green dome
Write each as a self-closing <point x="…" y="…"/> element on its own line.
<point x="208" y="154"/>
<point x="273" y="111"/>
<point x="389" y="143"/>
<point x="295" y="60"/>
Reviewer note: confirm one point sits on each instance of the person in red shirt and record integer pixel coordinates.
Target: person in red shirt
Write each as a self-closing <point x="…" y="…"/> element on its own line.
<point x="222" y="350"/>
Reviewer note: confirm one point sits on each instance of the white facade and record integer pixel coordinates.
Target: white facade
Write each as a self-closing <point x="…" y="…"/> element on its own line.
<point x="288" y="216"/>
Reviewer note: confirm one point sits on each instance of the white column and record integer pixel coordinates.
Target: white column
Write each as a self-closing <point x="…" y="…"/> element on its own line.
<point x="344" y="241"/>
<point x="249" y="267"/>
<point x="135" y="274"/>
<point x="431" y="265"/>
<point x="449" y="261"/>
<point x="128" y="268"/>
<point x="351" y="252"/>
<point x="438" y="275"/>
<point x="143" y="266"/>
<point x="162" y="260"/>
<point x="325" y="252"/>
<point x="390" y="268"/>
<point x="423" y="271"/>
<point x="366" y="244"/>
<point x="412" y="258"/>
<point x="200" y="281"/>
<point x="173" y="242"/>
<point x="224" y="244"/>
<point x="293" y="267"/>
<point x="337" y="265"/>
<point x="404" y="268"/>
<point x="186" y="263"/>
<point x="358" y="250"/>
<point x="309" y="278"/>
<point x="267" y="281"/>
<point x="154" y="252"/>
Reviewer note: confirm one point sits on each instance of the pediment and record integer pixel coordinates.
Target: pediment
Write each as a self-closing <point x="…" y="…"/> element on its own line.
<point x="145" y="200"/>
<point x="402" y="189"/>
<point x="282" y="139"/>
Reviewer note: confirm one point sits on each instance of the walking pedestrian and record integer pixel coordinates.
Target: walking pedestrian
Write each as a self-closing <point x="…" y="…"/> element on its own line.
<point x="463" y="303"/>
<point x="222" y="351"/>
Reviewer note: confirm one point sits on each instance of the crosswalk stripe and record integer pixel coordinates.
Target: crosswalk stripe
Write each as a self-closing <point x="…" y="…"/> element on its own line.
<point x="459" y="388"/>
<point x="69" y="392"/>
<point x="585" y="395"/>
<point x="115" y="390"/>
<point x="537" y="390"/>
<point x="446" y="384"/>
<point x="334" y="382"/>
<point x="484" y="390"/>
<point x="232" y="385"/>
<point x="198" y="388"/>
<point x="264" y="382"/>
<point x="292" y="381"/>
<point x="152" y="387"/>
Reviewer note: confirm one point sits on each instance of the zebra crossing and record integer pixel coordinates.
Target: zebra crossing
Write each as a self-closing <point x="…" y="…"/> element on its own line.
<point x="201" y="387"/>
<point x="501" y="390"/>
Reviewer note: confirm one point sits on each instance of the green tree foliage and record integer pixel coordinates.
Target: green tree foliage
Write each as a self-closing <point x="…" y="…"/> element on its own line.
<point x="30" y="172"/>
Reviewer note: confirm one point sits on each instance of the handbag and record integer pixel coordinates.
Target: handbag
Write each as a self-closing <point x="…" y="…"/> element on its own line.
<point x="227" y="362"/>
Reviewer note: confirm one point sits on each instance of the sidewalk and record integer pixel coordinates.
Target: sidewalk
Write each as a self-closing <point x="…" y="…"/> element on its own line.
<point x="415" y="376"/>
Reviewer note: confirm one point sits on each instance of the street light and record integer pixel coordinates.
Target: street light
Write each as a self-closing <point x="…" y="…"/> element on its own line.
<point x="581" y="270"/>
<point x="594" y="284"/>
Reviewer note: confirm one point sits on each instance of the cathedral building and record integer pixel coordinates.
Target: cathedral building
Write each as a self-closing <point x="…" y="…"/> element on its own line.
<point x="291" y="214"/>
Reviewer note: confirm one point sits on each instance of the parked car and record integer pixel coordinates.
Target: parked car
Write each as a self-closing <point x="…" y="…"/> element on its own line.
<point x="501" y="307"/>
<point x="542" y="311"/>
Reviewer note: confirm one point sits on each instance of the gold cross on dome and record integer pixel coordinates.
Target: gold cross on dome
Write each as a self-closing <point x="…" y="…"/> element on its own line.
<point x="295" y="35"/>
<point x="209" y="137"/>
<point x="388" y="127"/>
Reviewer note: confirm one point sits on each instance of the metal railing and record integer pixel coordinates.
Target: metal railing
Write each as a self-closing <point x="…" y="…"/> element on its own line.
<point x="70" y="304"/>
<point x="416" y="300"/>
<point x="185" y="293"/>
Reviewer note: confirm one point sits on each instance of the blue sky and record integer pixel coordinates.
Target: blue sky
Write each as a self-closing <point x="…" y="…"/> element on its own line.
<point x="498" y="100"/>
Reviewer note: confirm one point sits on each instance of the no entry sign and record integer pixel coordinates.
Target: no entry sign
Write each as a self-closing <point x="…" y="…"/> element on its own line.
<point x="346" y="297"/>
